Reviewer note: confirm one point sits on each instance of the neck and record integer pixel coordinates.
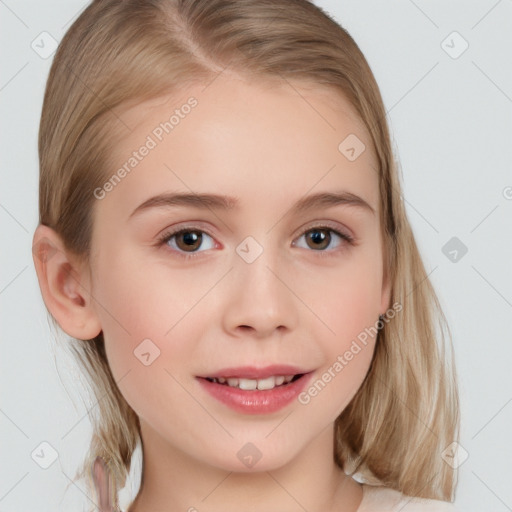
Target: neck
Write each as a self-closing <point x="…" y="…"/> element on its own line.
<point x="172" y="480"/>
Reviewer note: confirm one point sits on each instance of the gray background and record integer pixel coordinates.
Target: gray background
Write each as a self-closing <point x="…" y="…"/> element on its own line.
<point x="450" y="117"/>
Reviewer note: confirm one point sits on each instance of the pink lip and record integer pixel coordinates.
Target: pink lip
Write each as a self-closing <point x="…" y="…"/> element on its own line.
<point x="255" y="401"/>
<point x="251" y="372"/>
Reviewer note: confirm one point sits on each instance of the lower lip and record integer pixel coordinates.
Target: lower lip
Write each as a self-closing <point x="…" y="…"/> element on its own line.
<point x="254" y="401"/>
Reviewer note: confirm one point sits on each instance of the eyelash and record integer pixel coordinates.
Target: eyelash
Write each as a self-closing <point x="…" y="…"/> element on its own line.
<point x="164" y="239"/>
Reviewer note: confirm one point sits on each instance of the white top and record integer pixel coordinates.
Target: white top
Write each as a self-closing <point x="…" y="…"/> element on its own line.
<point x="385" y="499"/>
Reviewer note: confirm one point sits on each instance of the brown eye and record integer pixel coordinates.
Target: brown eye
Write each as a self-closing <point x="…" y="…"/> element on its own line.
<point x="323" y="239"/>
<point x="318" y="238"/>
<point x="189" y="241"/>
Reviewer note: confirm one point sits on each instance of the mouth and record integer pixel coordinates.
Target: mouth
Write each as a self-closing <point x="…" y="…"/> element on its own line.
<point x="251" y="390"/>
<point x="267" y="383"/>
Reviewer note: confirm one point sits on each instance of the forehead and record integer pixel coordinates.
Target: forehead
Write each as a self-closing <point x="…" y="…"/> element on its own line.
<point x="256" y="96"/>
<point x="255" y="137"/>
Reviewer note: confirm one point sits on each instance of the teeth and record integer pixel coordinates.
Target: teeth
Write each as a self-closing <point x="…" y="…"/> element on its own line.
<point x="268" y="383"/>
<point x="247" y="384"/>
<point x="252" y="384"/>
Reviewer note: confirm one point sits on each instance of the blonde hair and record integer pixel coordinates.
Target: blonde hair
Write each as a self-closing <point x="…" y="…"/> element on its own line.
<point x="119" y="53"/>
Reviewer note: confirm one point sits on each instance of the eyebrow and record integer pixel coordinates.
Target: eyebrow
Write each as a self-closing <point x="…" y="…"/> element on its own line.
<point x="219" y="202"/>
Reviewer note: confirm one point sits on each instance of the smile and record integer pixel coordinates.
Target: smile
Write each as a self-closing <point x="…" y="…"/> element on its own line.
<point x="250" y="390"/>
<point x="253" y="384"/>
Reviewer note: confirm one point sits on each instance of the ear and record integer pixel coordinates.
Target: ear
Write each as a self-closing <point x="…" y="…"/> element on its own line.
<point x="64" y="284"/>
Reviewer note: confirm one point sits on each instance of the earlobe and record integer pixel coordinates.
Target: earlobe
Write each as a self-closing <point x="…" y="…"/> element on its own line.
<point x="64" y="285"/>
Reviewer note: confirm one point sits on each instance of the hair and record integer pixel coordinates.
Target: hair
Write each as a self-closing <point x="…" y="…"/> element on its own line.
<point x="123" y="52"/>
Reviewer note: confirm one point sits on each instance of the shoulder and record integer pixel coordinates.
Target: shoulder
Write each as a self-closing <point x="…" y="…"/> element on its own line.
<point x="385" y="499"/>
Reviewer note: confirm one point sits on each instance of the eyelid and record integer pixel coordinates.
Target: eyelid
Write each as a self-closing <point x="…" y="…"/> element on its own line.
<point x="334" y="226"/>
<point x="185" y="226"/>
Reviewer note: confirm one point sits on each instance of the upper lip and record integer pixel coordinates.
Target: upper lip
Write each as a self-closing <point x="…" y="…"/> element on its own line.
<point x="253" y="372"/>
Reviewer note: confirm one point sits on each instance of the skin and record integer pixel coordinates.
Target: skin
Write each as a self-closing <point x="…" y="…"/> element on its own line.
<point x="268" y="145"/>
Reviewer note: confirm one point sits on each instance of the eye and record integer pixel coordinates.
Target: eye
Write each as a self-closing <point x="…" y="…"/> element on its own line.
<point x="322" y="237"/>
<point x="188" y="240"/>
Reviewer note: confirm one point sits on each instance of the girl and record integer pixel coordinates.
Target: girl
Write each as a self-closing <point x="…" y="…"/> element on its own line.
<point x="222" y="234"/>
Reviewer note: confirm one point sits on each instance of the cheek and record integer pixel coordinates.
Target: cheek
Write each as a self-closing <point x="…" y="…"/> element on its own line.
<point x="348" y="303"/>
<point x="348" y="298"/>
<point x="146" y="324"/>
<point x="144" y="296"/>
<point x="145" y="316"/>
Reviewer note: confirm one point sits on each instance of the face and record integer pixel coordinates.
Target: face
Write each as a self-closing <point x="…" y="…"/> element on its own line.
<point x="240" y="247"/>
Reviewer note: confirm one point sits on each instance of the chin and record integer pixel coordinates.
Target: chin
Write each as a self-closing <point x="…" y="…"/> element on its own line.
<point x="253" y="457"/>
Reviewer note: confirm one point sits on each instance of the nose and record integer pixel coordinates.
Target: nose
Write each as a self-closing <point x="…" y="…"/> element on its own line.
<point x="259" y="301"/>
